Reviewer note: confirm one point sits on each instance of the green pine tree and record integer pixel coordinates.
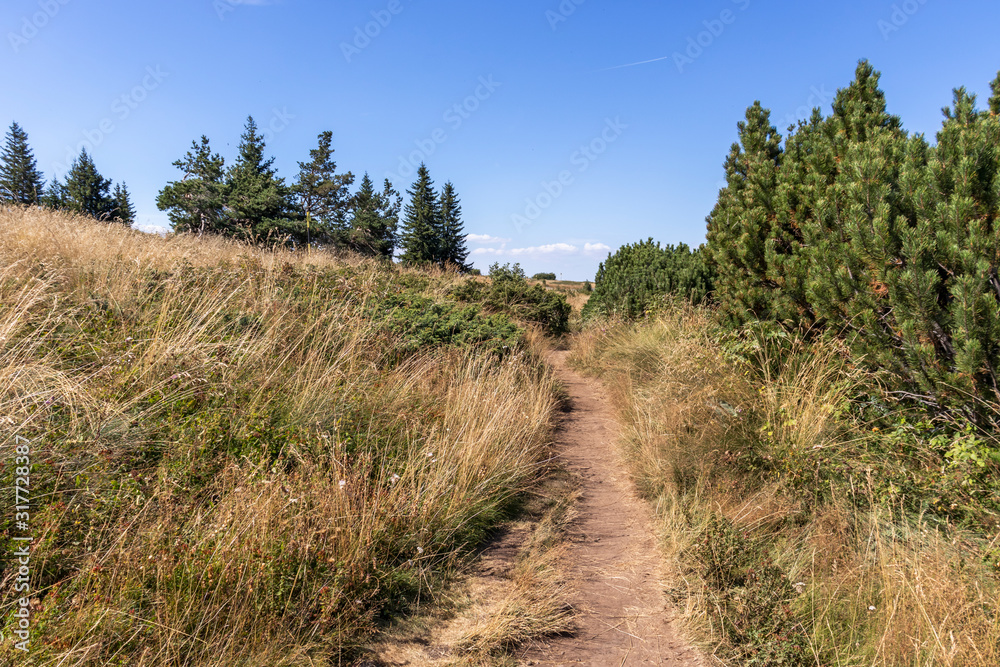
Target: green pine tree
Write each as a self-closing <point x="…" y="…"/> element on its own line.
<point x="196" y="202"/>
<point x="258" y="203"/>
<point x="86" y="191"/>
<point x="741" y="225"/>
<point x="323" y="194"/>
<point x="877" y="237"/>
<point x="995" y="97"/>
<point x="853" y="240"/>
<point x="452" y="249"/>
<point x="20" y="180"/>
<point x="374" y="218"/>
<point x="124" y="211"/>
<point x="421" y="236"/>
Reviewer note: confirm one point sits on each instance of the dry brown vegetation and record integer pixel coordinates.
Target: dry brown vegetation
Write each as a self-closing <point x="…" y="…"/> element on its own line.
<point x="236" y="461"/>
<point x="776" y="561"/>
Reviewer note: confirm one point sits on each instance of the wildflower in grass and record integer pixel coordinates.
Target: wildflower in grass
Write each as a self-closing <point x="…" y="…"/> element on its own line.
<point x="395" y="478"/>
<point x="343" y="483"/>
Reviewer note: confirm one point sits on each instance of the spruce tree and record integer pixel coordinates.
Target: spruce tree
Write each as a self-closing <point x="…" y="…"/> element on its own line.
<point x="20" y="180"/>
<point x="323" y="194"/>
<point x="374" y="218"/>
<point x="86" y="191"/>
<point x="453" y="249"/>
<point x="196" y="202"/>
<point x="258" y="202"/>
<point x="55" y="196"/>
<point x="124" y="211"/>
<point x="421" y="236"/>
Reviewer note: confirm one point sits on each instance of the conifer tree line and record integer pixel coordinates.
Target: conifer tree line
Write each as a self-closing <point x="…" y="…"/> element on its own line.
<point x="249" y="201"/>
<point x="851" y="226"/>
<point x="84" y="190"/>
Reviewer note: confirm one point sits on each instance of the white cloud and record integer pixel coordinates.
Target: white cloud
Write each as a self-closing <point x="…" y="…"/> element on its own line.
<point x="484" y="238"/>
<point x="552" y="248"/>
<point x="549" y="250"/>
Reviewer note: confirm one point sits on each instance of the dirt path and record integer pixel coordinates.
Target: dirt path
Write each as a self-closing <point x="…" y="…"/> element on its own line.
<point x="613" y="561"/>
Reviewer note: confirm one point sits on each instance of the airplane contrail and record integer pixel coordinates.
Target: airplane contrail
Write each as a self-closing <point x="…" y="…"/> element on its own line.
<point x="641" y="62"/>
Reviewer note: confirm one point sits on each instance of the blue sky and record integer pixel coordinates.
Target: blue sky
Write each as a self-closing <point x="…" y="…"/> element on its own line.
<point x="558" y="152"/>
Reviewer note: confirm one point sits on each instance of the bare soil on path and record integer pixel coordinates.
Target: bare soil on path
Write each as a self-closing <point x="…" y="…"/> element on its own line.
<point x="613" y="562"/>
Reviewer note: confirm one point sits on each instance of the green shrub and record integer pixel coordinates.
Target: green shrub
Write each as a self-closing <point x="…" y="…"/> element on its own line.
<point x="508" y="292"/>
<point x="544" y="276"/>
<point x="421" y="322"/>
<point x="634" y="280"/>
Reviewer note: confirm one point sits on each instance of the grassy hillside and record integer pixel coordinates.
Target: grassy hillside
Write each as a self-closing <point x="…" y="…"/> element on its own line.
<point x="809" y="519"/>
<point x="239" y="456"/>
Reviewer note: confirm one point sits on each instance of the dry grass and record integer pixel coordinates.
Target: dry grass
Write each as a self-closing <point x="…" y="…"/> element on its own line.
<point x="232" y="466"/>
<point x="813" y="572"/>
<point x="514" y="593"/>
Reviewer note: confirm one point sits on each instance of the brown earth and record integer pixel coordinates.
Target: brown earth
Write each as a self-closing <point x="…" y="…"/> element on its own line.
<point x="612" y="562"/>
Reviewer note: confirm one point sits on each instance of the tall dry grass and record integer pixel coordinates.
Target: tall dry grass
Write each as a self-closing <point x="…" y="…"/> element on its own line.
<point x="232" y="464"/>
<point x="775" y="561"/>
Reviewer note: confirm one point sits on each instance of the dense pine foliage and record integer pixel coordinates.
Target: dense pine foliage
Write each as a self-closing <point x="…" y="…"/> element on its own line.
<point x="634" y="280"/>
<point x="855" y="228"/>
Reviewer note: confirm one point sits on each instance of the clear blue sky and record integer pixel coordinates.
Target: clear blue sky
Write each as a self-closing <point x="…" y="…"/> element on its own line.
<point x="658" y="132"/>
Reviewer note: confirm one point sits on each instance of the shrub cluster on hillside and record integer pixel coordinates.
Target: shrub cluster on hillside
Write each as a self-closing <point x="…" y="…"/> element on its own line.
<point x="508" y="291"/>
<point x="634" y="280"/>
<point x="855" y="227"/>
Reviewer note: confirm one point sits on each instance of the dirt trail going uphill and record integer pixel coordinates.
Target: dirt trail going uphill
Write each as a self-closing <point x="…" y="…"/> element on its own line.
<point x="613" y="561"/>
